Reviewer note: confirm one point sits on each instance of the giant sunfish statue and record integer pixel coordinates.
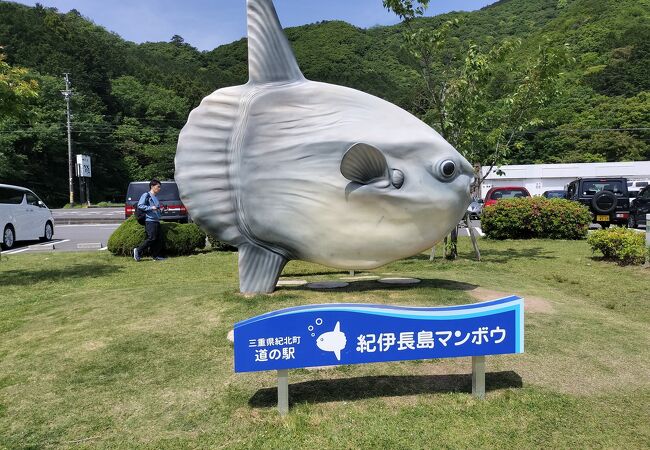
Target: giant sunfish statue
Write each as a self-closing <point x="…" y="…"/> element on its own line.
<point x="286" y="168"/>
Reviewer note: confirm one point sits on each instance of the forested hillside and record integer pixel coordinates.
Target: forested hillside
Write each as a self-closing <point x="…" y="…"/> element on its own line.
<point x="131" y="100"/>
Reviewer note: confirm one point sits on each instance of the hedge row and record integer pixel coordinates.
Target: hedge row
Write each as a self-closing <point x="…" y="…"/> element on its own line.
<point x="179" y="238"/>
<point x="220" y="246"/>
<point x="536" y="217"/>
<point x="622" y="245"/>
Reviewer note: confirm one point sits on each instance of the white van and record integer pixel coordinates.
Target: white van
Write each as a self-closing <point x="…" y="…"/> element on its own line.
<point x="634" y="186"/>
<point x="23" y="216"/>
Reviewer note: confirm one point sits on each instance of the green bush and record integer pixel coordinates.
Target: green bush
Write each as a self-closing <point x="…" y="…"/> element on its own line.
<point x="179" y="238"/>
<point x="220" y="246"/>
<point x="538" y="217"/>
<point x="619" y="244"/>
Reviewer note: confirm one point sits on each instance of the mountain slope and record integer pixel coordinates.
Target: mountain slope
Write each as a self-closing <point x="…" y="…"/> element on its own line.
<point x="132" y="99"/>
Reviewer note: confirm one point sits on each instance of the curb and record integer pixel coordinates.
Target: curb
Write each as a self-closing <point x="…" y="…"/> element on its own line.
<point x="88" y="221"/>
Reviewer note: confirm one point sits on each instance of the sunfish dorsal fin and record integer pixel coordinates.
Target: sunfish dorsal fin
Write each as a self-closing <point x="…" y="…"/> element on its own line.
<point x="270" y="58"/>
<point x="337" y="328"/>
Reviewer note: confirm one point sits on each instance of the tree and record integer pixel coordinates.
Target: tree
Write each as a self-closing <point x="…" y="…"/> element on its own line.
<point x="33" y="149"/>
<point x="478" y="100"/>
<point x="16" y="87"/>
<point x="147" y="133"/>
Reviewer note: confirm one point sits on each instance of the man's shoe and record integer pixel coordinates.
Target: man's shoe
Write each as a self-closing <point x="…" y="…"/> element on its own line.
<point x="136" y="254"/>
<point x="159" y="258"/>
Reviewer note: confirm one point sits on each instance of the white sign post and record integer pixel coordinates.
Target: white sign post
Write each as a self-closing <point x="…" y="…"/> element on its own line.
<point x="83" y="166"/>
<point x="283" y="392"/>
<point x="84" y="172"/>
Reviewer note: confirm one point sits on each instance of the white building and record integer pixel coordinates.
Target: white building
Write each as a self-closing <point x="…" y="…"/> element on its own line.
<point x="538" y="178"/>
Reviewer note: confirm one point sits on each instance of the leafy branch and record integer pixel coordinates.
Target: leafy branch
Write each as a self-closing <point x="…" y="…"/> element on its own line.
<point x="481" y="104"/>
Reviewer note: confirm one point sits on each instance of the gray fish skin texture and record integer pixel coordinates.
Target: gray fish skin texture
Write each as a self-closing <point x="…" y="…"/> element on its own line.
<point x="259" y="166"/>
<point x="290" y="191"/>
<point x="292" y="160"/>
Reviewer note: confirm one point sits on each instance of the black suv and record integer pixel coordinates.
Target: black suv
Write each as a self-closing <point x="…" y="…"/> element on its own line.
<point x="639" y="207"/>
<point x="607" y="198"/>
<point x="174" y="209"/>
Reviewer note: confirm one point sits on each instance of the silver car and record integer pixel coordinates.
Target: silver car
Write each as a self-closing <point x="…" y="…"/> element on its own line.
<point x="475" y="208"/>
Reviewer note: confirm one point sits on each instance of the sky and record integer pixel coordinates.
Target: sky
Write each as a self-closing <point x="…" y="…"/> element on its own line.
<point x="206" y="24"/>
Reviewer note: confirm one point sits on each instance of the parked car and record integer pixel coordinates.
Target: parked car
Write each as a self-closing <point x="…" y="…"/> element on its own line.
<point x="639" y="207"/>
<point x="23" y="216"/>
<point x="475" y="209"/>
<point x="607" y="199"/>
<point x="499" y="193"/>
<point x="554" y="194"/>
<point x="637" y="185"/>
<point x="174" y="209"/>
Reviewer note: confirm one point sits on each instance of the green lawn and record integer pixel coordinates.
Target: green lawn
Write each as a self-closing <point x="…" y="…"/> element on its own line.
<point x="99" y="351"/>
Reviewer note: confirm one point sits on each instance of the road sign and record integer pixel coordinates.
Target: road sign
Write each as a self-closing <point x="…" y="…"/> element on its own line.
<point x="321" y="335"/>
<point x="83" y="166"/>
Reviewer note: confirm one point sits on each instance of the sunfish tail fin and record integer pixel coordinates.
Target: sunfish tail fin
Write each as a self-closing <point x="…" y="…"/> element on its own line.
<point x="270" y="57"/>
<point x="259" y="269"/>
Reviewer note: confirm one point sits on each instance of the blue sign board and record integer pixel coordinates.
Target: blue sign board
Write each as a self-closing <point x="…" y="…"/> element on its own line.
<point x="321" y="335"/>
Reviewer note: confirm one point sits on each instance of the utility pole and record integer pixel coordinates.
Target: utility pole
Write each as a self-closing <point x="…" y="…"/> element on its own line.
<point x="67" y="94"/>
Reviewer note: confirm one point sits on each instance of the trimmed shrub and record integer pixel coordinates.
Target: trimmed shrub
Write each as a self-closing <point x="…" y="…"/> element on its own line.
<point x="619" y="244"/>
<point x="220" y="246"/>
<point x="179" y="238"/>
<point x="536" y="217"/>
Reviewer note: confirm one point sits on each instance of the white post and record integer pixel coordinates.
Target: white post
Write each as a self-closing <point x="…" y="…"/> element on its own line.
<point x="471" y="231"/>
<point x="283" y="392"/>
<point x="478" y="377"/>
<point x="352" y="273"/>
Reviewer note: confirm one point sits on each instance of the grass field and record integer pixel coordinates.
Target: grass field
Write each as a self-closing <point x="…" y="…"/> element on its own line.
<point x="99" y="351"/>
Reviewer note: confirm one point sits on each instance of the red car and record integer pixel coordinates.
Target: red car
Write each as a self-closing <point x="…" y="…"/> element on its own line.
<point x="174" y="208"/>
<point x="498" y="193"/>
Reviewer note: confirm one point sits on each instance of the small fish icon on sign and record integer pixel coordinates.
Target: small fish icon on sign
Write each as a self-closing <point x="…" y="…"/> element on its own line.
<point x="332" y="341"/>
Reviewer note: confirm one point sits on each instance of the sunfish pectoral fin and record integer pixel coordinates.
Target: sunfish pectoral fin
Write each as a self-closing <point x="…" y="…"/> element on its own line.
<point x="365" y="164"/>
<point x="337" y="353"/>
<point x="270" y="58"/>
<point x="259" y="269"/>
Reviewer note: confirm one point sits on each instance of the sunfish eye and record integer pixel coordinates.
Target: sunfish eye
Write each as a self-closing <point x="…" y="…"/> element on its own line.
<point x="448" y="169"/>
<point x="445" y="170"/>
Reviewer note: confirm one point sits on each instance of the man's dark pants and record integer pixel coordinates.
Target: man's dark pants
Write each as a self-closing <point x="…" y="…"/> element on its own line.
<point x="153" y="241"/>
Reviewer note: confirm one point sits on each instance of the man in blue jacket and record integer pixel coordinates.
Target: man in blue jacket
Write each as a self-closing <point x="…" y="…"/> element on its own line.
<point x="149" y="203"/>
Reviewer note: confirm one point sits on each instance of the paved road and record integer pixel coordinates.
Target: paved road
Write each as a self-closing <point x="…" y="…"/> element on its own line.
<point x="87" y="215"/>
<point x="70" y="238"/>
